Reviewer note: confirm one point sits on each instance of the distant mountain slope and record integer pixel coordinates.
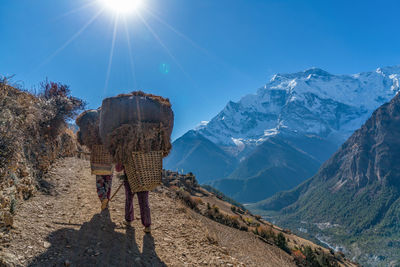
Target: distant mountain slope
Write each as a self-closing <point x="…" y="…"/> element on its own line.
<point x="194" y="153"/>
<point x="354" y="199"/>
<point x="308" y="103"/>
<point x="273" y="166"/>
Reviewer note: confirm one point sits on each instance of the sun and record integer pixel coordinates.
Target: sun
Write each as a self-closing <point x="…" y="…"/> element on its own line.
<point x="122" y="6"/>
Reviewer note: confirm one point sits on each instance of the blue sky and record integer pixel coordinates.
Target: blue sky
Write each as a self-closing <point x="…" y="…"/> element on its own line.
<point x="200" y="54"/>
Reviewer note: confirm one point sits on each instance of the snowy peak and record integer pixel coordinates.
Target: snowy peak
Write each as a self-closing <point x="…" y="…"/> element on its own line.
<point x="310" y="102"/>
<point x="312" y="72"/>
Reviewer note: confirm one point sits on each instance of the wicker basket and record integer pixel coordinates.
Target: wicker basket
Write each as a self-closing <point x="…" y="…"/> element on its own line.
<point x="144" y="170"/>
<point x="100" y="160"/>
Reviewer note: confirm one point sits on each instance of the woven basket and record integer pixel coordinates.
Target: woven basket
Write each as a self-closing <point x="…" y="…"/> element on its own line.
<point x="100" y="160"/>
<point x="144" y="170"/>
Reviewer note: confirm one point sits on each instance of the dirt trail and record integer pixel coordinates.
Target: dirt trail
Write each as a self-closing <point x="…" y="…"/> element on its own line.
<point x="64" y="227"/>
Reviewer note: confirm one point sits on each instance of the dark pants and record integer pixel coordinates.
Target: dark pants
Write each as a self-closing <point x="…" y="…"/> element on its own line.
<point x="143" y="198"/>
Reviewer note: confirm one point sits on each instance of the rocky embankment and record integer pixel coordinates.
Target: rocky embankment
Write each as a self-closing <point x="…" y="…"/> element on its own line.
<point x="33" y="134"/>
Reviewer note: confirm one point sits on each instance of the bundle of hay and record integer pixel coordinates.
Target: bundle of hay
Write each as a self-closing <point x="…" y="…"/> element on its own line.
<point x="88" y="135"/>
<point x="136" y="122"/>
<point x="88" y="123"/>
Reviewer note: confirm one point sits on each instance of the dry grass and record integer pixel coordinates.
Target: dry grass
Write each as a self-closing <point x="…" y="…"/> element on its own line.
<point x="33" y="133"/>
<point x="188" y="199"/>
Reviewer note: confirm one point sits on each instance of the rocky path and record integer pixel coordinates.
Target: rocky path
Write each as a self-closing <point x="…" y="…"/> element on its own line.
<point x="64" y="227"/>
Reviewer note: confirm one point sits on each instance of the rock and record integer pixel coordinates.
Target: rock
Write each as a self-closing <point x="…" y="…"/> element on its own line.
<point x="8" y="259"/>
<point x="46" y="244"/>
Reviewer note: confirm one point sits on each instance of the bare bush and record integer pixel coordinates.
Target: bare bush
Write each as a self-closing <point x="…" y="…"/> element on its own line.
<point x="33" y="134"/>
<point x="62" y="105"/>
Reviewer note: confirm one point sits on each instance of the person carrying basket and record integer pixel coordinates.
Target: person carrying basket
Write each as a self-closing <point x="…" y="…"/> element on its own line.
<point x="136" y="129"/>
<point x="100" y="158"/>
<point x="143" y="199"/>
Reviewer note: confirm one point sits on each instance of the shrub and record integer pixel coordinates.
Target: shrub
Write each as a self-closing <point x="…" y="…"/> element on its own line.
<point x="187" y="199"/>
<point x="309" y="257"/>
<point x="281" y="242"/>
<point x="244" y="228"/>
<point x="248" y="220"/>
<point x="198" y="200"/>
<point x="239" y="210"/>
<point x="214" y="214"/>
<point x="215" y="209"/>
<point x="265" y="232"/>
<point x="59" y="95"/>
<point x="298" y="255"/>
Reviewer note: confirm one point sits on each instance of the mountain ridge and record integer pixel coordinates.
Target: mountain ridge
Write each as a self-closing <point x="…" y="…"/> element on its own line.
<point x="318" y="109"/>
<point x="357" y="189"/>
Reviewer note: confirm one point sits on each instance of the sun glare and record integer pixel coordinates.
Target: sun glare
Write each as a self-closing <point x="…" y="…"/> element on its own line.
<point x="122" y="6"/>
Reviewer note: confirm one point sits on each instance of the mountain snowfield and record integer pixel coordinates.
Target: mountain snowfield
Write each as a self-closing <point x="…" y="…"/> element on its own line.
<point x="310" y="102"/>
<point x="311" y="112"/>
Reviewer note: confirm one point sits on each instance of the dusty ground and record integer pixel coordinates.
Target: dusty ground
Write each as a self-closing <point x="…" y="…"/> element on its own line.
<point x="64" y="227"/>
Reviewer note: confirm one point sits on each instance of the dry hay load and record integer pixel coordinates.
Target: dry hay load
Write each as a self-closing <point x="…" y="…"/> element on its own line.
<point x="136" y="128"/>
<point x="88" y="135"/>
<point x="136" y="122"/>
<point x="88" y="123"/>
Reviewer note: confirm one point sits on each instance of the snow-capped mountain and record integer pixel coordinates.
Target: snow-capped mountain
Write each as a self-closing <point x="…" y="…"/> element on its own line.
<point x="310" y="112"/>
<point x="310" y="102"/>
<point x="356" y="193"/>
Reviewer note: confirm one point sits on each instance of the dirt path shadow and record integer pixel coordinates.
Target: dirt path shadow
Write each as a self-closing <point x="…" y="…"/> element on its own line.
<point x="97" y="243"/>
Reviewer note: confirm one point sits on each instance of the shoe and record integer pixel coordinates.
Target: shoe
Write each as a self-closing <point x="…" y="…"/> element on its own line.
<point x="104" y="204"/>
<point x="147" y="230"/>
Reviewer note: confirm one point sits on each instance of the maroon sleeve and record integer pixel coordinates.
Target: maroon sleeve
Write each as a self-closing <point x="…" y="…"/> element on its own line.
<point x="119" y="167"/>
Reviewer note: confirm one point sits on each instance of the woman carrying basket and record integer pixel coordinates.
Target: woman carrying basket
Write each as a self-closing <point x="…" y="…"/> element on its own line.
<point x="143" y="199"/>
<point x="100" y="159"/>
<point x="136" y="128"/>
